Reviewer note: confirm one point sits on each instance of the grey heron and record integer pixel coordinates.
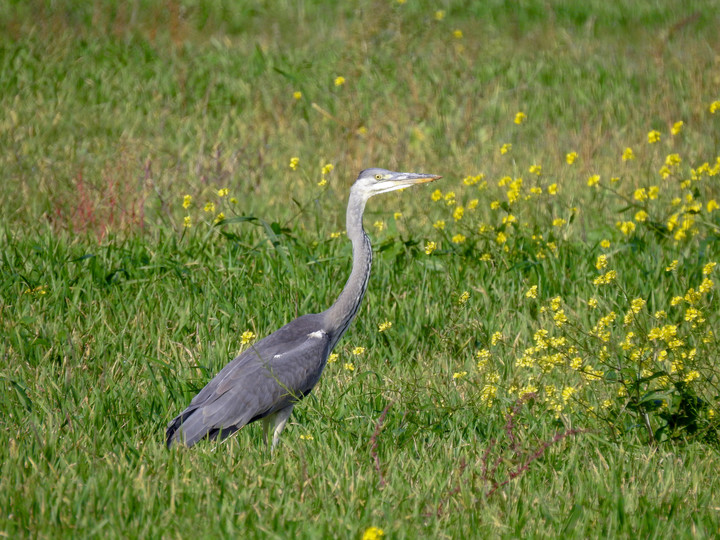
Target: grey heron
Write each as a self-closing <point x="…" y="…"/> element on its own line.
<point x="266" y="380"/>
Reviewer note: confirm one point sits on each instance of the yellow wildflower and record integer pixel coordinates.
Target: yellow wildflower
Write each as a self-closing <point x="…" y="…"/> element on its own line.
<point x="520" y="118"/>
<point x="605" y="278"/>
<point x="496" y="338"/>
<point x="567" y="393"/>
<point x="628" y="154"/>
<point x="706" y="286"/>
<point x="640" y="194"/>
<point x="458" y="238"/>
<point x="714" y="107"/>
<point x="665" y="333"/>
<point x="553" y="189"/>
<point x="694" y="315"/>
<point x="219" y="217"/>
<point x="294" y="162"/>
<point x="488" y="394"/>
<point x="677" y="127"/>
<point x="653" y="136"/>
<point x="297" y="95"/>
<point x="505" y="148"/>
<point x="436" y="195"/>
<point x="383" y="326"/>
<point x="641" y="215"/>
<point x="708" y="268"/>
<point x="209" y="207"/>
<point x="535" y="169"/>
<point x="464" y="297"/>
<point x="457" y="34"/>
<point x="593" y="303"/>
<point x="601" y="262"/>
<point x="458" y="213"/>
<point x="357" y="351"/>
<point x="532" y="292"/>
<point x="187" y="201"/>
<point x="223" y="192"/>
<point x="636" y="305"/>
<point x="430" y="246"/>
<point x="593" y="180"/>
<point x="672" y="266"/>
<point x="571" y="157"/>
<point x="627" y="227"/>
<point x="439" y="14"/>
<point x="712" y="205"/>
<point x="605" y="243"/>
<point x="333" y="358"/>
<point x="439" y="224"/>
<point x="558" y="222"/>
<point x="247" y="336"/>
<point x="349" y="366"/>
<point x="672" y="160"/>
<point x="187" y="222"/>
<point x="459" y="374"/>
<point x="339" y="81"/>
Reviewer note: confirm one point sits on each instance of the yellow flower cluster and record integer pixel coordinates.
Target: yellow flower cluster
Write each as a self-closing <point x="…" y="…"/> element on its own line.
<point x="658" y="196"/>
<point x="606" y="278"/>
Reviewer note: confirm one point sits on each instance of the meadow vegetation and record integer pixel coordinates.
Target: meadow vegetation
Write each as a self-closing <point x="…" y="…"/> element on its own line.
<point x="537" y="354"/>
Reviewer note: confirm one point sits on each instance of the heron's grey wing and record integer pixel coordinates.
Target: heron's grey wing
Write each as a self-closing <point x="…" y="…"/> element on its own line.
<point x="259" y="382"/>
<point x="290" y="336"/>
<point x="268" y="385"/>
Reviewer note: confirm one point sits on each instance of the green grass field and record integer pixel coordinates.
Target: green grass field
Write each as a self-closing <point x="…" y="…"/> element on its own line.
<point x="537" y="354"/>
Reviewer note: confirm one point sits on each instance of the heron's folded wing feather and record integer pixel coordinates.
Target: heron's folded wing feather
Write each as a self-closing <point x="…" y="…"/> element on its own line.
<point x="285" y="339"/>
<point x="259" y="386"/>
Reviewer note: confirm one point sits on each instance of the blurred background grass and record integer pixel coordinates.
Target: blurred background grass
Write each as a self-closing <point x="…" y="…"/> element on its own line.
<point x="162" y="98"/>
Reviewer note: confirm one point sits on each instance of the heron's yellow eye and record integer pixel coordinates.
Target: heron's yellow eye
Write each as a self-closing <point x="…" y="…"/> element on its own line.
<point x="378" y="177"/>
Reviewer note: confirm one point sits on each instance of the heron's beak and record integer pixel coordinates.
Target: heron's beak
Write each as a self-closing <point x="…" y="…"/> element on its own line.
<point x="425" y="178"/>
<point x="410" y="179"/>
<point x="402" y="181"/>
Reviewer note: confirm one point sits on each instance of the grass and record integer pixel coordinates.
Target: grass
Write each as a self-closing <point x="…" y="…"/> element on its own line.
<point x="488" y="408"/>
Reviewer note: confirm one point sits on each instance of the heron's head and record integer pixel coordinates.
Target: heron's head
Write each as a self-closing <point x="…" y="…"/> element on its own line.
<point x="374" y="181"/>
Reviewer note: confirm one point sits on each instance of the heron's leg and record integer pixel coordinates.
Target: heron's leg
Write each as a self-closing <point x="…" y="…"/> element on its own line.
<point x="281" y="418"/>
<point x="266" y="425"/>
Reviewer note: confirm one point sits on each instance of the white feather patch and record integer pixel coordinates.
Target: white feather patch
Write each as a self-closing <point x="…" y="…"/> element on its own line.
<point x="317" y="335"/>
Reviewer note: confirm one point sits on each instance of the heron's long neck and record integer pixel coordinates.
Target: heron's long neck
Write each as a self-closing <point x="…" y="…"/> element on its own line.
<point x="339" y="316"/>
